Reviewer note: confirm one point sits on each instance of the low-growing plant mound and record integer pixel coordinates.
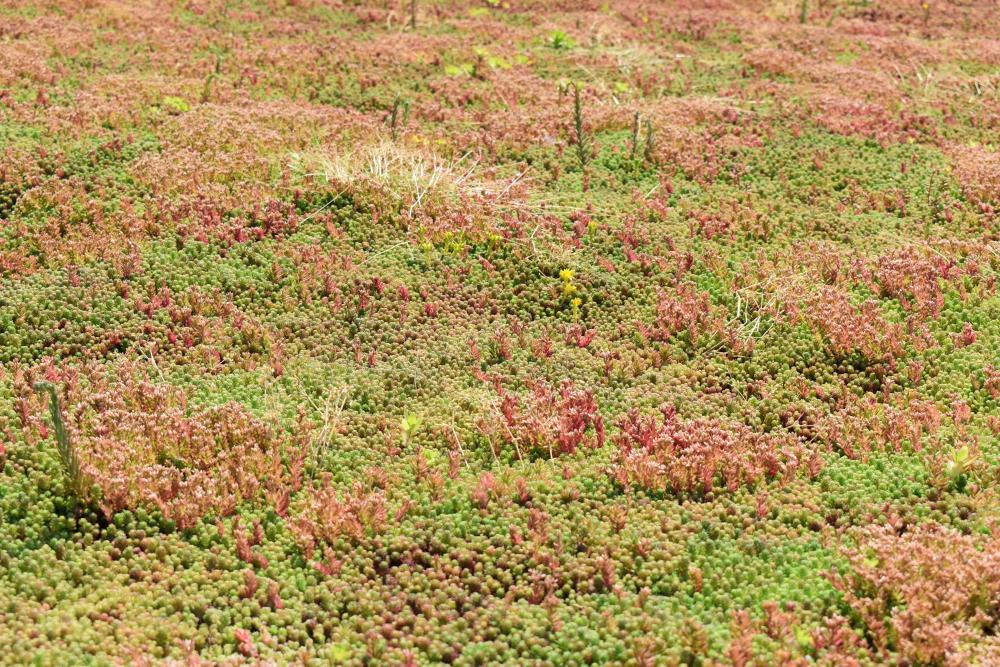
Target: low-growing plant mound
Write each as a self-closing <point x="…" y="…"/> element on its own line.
<point x="545" y="421"/>
<point x="324" y="516"/>
<point x="695" y="456"/>
<point x="931" y="596"/>
<point x="140" y="444"/>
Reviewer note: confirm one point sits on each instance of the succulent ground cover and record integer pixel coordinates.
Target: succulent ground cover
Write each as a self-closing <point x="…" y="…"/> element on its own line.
<point x="645" y="333"/>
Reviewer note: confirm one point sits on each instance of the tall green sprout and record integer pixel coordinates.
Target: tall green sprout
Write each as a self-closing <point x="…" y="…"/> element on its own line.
<point x="582" y="141"/>
<point x="650" y="141"/>
<point x="75" y="480"/>
<point x="635" y="136"/>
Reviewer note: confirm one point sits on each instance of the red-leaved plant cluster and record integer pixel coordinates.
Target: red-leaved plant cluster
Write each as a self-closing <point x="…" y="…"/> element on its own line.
<point x="695" y="456"/>
<point x="834" y="643"/>
<point x="931" y="596"/>
<point x="686" y="310"/>
<point x="324" y="516"/>
<point x="861" y="426"/>
<point x="140" y="444"/>
<point x="849" y="329"/>
<point x="545" y="421"/>
<point x="978" y="172"/>
<point x="913" y="279"/>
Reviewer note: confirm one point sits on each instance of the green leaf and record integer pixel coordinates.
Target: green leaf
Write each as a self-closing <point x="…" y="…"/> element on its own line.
<point x="410" y="423"/>
<point x="175" y="105"/>
<point x="339" y="653"/>
<point x="462" y="69"/>
<point x="560" y="40"/>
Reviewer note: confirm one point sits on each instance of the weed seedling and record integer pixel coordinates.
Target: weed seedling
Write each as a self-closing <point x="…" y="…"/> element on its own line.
<point x="409" y="425"/>
<point x="650" y="142"/>
<point x="398" y="117"/>
<point x="206" y="90"/>
<point x="635" y="136"/>
<point x="559" y="40"/>
<point x="75" y="480"/>
<point x="582" y="141"/>
<point x="958" y="466"/>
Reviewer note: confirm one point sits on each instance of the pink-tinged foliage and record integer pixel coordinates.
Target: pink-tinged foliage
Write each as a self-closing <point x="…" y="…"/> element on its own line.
<point x="250" y="584"/>
<point x="850" y="116"/>
<point x="485" y="490"/>
<point x="862" y="426"/>
<point x="849" y="329"/>
<point x="931" y="596"/>
<point x="778" y="217"/>
<point x="991" y="381"/>
<point x="244" y="643"/>
<point x="835" y="643"/>
<point x="323" y="516"/>
<point x="698" y="455"/>
<point x="545" y="420"/>
<point x="141" y="444"/>
<point x="914" y="279"/>
<point x="978" y="172"/>
<point x="686" y="310"/>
